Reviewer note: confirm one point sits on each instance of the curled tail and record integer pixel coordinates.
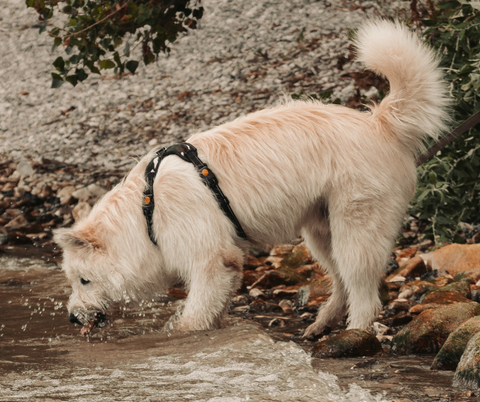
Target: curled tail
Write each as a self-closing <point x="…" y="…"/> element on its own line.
<point x="416" y="106"/>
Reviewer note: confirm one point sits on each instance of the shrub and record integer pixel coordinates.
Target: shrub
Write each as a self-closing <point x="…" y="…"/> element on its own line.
<point x="94" y="30"/>
<point x="448" y="190"/>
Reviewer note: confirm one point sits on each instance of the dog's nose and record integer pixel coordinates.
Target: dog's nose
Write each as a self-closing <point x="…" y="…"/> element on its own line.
<point x="73" y="319"/>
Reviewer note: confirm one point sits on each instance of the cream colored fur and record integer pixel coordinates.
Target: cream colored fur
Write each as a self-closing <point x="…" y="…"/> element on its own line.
<point x="340" y="178"/>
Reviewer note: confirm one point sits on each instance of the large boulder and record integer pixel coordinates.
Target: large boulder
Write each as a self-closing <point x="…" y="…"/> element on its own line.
<point x="467" y="375"/>
<point x="454" y="258"/>
<point x="350" y="343"/>
<point x="429" y="331"/>
<point x="452" y="350"/>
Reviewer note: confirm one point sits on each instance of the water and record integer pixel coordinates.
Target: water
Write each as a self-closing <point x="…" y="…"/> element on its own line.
<point x="44" y="357"/>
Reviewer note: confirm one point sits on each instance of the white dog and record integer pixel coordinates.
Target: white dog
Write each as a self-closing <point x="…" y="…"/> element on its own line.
<point x="339" y="177"/>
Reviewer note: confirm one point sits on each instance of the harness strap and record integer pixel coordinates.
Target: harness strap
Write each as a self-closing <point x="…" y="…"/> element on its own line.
<point x="189" y="154"/>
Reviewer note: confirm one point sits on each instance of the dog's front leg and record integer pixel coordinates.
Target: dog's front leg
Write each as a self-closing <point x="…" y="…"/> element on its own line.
<point x="212" y="286"/>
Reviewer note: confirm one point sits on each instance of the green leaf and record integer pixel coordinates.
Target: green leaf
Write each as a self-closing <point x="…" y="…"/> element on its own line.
<point x="106" y="64"/>
<point x="72" y="79"/>
<point x="57" y="81"/>
<point x="131" y="66"/>
<point x="59" y="64"/>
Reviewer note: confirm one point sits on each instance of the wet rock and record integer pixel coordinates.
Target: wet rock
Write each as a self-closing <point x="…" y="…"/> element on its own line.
<point x="429" y="331"/>
<point x="451" y="352"/>
<point x="260" y="306"/>
<point x="350" y="343"/>
<point x="454" y="258"/>
<point x="467" y="375"/>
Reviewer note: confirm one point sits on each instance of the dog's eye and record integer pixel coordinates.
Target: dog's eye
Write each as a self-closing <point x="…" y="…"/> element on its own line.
<point x="84" y="281"/>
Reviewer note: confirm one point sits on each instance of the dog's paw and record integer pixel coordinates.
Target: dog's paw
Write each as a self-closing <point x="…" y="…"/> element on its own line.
<point x="316" y="331"/>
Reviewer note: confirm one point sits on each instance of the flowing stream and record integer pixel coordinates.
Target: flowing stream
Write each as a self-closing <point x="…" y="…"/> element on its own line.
<point x="44" y="357"/>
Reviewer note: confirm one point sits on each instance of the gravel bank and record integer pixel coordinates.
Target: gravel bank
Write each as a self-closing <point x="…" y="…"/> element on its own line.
<point x="247" y="55"/>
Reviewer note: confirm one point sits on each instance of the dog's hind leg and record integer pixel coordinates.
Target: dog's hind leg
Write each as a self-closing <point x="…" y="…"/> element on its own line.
<point x="212" y="286"/>
<point x="363" y="232"/>
<point x="318" y="240"/>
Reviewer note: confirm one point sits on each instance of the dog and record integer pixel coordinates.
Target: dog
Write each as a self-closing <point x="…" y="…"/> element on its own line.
<point x="339" y="177"/>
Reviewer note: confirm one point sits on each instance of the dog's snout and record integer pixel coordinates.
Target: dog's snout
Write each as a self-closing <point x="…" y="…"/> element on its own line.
<point x="73" y="319"/>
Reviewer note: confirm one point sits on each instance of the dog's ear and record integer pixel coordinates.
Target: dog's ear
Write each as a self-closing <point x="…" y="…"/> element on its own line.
<point x="70" y="238"/>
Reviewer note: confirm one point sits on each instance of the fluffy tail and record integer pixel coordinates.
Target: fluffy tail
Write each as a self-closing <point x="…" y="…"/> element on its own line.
<point x="416" y="105"/>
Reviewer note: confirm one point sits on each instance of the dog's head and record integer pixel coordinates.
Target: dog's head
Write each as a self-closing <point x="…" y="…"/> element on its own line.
<point x="92" y="272"/>
<point x="108" y="257"/>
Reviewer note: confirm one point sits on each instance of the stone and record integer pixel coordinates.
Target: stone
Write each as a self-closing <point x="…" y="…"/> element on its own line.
<point x="467" y="374"/>
<point x="17" y="223"/>
<point x="255" y="293"/>
<point x="445" y="297"/>
<point x="24" y="168"/>
<point x="260" y="306"/>
<point x="414" y="268"/>
<point x="416" y="288"/>
<point x="460" y="287"/>
<point x="270" y="279"/>
<point x="404" y="255"/>
<point x="250" y="277"/>
<point x="381" y="329"/>
<point x="429" y="331"/>
<point x="454" y="258"/>
<point x="451" y="352"/>
<point x="286" y="306"/>
<point x="349" y="343"/>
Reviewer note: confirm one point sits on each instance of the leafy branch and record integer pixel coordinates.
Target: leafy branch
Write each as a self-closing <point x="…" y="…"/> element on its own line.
<point x="94" y="33"/>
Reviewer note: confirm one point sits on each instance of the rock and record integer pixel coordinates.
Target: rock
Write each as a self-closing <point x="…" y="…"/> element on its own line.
<point x="404" y="255"/>
<point x="17" y="223"/>
<point x="396" y="278"/>
<point x="81" y="211"/>
<point x="350" y="343"/>
<point x="467" y="375"/>
<point x="260" y="306"/>
<point x="394" y="307"/>
<point x="429" y="331"/>
<point x="250" y="277"/>
<point x="451" y="352"/>
<point x="282" y="250"/>
<point x="286" y="306"/>
<point x="445" y="297"/>
<point x="270" y="279"/>
<point x="454" y="258"/>
<point x="460" y="287"/>
<point x="381" y="329"/>
<point x="24" y="168"/>
<point x="414" y="268"/>
<point x="255" y="293"/>
<point x="288" y="291"/>
<point x="416" y="288"/>
<point x="392" y="266"/>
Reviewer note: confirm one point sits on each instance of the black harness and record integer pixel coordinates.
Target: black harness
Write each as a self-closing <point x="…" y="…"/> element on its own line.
<point x="188" y="153"/>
